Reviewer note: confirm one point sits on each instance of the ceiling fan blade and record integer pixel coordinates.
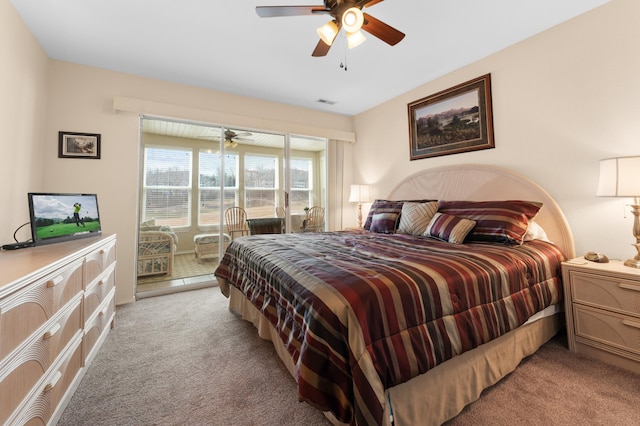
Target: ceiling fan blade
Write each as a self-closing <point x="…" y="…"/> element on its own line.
<point x="321" y="49"/>
<point x="274" y="11"/>
<point x="383" y="31"/>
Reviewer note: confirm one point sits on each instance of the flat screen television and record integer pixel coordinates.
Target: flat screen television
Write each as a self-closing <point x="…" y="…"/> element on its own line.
<point x="63" y="217"/>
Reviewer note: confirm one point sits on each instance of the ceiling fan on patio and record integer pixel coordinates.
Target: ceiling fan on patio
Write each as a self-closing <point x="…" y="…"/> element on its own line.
<point x="231" y="138"/>
<point x="345" y="14"/>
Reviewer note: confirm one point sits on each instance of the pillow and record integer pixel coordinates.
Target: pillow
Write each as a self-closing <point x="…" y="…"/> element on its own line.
<point x="386" y="206"/>
<point x="382" y="206"/>
<point x="148" y="223"/>
<point x="496" y="221"/>
<point x="449" y="228"/>
<point x="535" y="232"/>
<point x="415" y="217"/>
<point x="384" y="223"/>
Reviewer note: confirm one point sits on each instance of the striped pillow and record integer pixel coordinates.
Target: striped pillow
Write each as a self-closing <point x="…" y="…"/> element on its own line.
<point x="449" y="228"/>
<point x="496" y="221"/>
<point x="384" y="223"/>
<point x="386" y="206"/>
<point x="382" y="206"/>
<point x="415" y="217"/>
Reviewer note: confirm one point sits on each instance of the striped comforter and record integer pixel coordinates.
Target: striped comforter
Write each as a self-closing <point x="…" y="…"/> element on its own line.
<point x="361" y="312"/>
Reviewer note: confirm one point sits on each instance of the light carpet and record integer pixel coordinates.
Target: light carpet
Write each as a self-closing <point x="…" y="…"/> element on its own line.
<point x="184" y="359"/>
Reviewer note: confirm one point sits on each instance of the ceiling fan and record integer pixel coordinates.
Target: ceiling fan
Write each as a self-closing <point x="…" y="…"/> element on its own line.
<point x="231" y="138"/>
<point x="345" y="14"/>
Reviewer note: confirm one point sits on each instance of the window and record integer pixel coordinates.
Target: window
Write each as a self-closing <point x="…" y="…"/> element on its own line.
<point x="183" y="171"/>
<point x="209" y="167"/>
<point x="301" y="184"/>
<point x="260" y="184"/>
<point x="167" y="185"/>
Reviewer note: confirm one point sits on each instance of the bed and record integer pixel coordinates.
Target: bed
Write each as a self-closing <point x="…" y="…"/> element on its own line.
<point x="382" y="327"/>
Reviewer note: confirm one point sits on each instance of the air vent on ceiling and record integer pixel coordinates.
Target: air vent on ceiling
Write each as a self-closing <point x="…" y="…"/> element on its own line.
<point x="325" y="101"/>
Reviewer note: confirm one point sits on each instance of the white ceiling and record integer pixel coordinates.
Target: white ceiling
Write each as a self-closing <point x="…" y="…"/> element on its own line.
<point x="224" y="45"/>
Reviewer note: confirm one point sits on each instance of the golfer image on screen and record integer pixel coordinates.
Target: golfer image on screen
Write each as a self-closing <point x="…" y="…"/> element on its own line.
<point x="76" y="214"/>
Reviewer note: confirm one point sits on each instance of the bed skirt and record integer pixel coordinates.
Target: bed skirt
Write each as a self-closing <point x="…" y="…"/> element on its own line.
<point x="441" y="393"/>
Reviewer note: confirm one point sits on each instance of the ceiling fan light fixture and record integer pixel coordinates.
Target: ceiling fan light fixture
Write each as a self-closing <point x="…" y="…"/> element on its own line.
<point x="352" y="20"/>
<point x="355" y="39"/>
<point x="328" y="32"/>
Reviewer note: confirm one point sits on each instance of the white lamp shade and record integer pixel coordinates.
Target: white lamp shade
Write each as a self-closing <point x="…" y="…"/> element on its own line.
<point x="328" y="32"/>
<point x="352" y="20"/>
<point x="619" y="177"/>
<point x="360" y="194"/>
<point x="355" y="39"/>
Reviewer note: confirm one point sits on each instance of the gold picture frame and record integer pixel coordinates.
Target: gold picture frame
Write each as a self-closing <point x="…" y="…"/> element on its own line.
<point x="452" y="121"/>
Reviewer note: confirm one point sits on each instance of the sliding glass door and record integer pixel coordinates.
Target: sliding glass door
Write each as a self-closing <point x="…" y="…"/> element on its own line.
<point x="192" y="173"/>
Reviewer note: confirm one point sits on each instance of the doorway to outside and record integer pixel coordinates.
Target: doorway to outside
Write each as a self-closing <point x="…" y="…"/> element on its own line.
<point x="191" y="173"/>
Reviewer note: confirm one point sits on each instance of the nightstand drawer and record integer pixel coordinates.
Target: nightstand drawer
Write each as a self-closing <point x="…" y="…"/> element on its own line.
<point x="607" y="327"/>
<point x="611" y="293"/>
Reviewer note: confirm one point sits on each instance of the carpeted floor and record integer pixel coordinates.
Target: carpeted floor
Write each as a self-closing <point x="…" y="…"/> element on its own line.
<point x="184" y="359"/>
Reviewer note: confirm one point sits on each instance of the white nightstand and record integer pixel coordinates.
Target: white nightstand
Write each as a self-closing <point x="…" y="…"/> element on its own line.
<point x="602" y="304"/>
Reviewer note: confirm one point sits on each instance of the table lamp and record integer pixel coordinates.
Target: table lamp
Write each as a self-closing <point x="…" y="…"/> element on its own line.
<point x="620" y="177"/>
<point x="360" y="194"/>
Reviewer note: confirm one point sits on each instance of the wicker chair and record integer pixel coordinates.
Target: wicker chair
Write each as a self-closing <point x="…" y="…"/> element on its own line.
<point x="235" y="220"/>
<point x="315" y="220"/>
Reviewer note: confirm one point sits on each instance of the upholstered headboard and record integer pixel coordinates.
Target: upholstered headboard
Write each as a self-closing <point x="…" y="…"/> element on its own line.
<point x="484" y="183"/>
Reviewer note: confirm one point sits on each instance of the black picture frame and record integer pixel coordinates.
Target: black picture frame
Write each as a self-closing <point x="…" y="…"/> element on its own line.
<point x="79" y="145"/>
<point x="459" y="119"/>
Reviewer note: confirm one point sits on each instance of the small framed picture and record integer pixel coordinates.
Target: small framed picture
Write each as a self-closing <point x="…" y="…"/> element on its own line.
<point x="78" y="145"/>
<point x="455" y="120"/>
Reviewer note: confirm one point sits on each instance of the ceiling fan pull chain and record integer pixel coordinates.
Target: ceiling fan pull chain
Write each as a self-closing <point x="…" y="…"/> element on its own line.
<point x="343" y="65"/>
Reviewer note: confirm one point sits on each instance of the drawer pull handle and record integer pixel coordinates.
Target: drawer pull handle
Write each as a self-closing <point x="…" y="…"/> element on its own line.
<point x="54" y="282"/>
<point x="629" y="286"/>
<point x="53" y="382"/>
<point x="101" y="314"/>
<point x="49" y="334"/>
<point x="100" y="282"/>
<point x="102" y="251"/>
<point x="633" y="324"/>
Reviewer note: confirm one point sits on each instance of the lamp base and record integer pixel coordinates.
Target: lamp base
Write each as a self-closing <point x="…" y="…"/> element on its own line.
<point x="634" y="262"/>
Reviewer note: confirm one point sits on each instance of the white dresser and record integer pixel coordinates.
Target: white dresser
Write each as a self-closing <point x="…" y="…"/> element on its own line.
<point x="57" y="305"/>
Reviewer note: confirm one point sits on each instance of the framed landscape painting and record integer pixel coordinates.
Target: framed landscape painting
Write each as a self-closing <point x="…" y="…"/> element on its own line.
<point x="78" y="145"/>
<point x="455" y="120"/>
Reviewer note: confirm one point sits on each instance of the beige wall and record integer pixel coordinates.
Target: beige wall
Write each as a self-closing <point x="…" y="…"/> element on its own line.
<point x="23" y="103"/>
<point x="562" y="101"/>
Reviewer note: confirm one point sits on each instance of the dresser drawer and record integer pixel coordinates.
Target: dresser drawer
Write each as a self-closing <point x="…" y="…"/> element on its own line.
<point x="96" y="293"/>
<point x="97" y="325"/>
<point x="25" y="311"/>
<point x="23" y="368"/>
<point x="98" y="261"/>
<point x="609" y="328"/>
<point x="43" y="404"/>
<point x="611" y="293"/>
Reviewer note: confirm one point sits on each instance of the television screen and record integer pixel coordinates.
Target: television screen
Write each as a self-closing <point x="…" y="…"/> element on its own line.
<point x="63" y="217"/>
